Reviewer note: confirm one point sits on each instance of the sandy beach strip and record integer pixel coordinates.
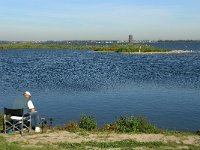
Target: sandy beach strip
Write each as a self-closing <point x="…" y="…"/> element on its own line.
<point x="167" y="52"/>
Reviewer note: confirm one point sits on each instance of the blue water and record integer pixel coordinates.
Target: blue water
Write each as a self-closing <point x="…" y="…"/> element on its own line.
<point x="66" y="83"/>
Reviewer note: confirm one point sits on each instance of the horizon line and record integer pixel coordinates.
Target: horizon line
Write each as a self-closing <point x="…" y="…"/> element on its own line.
<point x="100" y="40"/>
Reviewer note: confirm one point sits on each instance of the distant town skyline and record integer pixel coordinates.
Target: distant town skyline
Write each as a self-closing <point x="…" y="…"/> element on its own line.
<point x="31" y="20"/>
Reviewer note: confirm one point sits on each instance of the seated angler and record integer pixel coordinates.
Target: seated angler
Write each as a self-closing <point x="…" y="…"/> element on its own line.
<point x="35" y="119"/>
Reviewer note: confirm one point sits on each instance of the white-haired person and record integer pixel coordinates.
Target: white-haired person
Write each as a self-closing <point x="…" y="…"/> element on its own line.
<point x="35" y="119"/>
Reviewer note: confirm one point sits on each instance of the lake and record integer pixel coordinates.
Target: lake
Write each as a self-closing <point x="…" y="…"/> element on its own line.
<point x="165" y="88"/>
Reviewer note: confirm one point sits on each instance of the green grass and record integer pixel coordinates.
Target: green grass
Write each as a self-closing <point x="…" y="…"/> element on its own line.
<point x="71" y="126"/>
<point x="116" y="144"/>
<point x="4" y="145"/>
<point x="125" y="144"/>
<point x="88" y="122"/>
<point x="132" y="124"/>
<point x="12" y="146"/>
<point x="123" y="124"/>
<point x="131" y="48"/>
<point x="114" y="48"/>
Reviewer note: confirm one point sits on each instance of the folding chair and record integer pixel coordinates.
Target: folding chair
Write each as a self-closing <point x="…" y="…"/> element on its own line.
<point x="15" y="119"/>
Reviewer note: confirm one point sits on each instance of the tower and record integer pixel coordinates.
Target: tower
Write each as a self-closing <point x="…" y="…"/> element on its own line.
<point x="130" y="38"/>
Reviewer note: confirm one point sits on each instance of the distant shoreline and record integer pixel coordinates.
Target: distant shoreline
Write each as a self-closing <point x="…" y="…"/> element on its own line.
<point x="124" y="49"/>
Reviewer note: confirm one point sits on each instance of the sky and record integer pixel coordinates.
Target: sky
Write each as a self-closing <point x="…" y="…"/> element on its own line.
<point x="99" y="19"/>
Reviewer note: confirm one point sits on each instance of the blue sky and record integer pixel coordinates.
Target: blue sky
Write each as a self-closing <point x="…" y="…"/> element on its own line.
<point x="99" y="19"/>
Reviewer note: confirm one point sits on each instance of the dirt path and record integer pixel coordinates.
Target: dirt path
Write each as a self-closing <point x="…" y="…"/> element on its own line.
<point x="64" y="136"/>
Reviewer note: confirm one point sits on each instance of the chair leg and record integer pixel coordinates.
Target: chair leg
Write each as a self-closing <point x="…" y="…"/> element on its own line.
<point x="4" y="123"/>
<point x="30" y="126"/>
<point x="21" y="131"/>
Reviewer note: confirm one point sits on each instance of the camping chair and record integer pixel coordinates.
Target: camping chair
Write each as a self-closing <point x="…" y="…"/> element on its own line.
<point x="15" y="119"/>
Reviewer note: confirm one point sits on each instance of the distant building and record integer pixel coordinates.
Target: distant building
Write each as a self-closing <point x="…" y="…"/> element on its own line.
<point x="130" y="38"/>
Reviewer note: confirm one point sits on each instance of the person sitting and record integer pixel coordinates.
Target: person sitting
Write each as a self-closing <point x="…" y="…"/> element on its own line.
<point x="30" y="109"/>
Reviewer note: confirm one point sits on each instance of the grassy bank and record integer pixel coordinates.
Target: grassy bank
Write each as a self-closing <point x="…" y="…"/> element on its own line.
<point x="127" y="132"/>
<point x="114" y="48"/>
<point x="124" y="144"/>
<point x="123" y="124"/>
